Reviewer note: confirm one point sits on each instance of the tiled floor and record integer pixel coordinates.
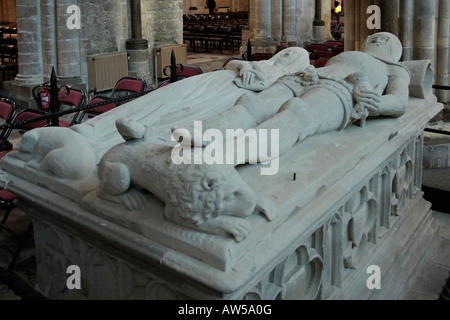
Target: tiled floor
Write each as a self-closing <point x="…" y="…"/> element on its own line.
<point x="431" y="280"/>
<point x="426" y="286"/>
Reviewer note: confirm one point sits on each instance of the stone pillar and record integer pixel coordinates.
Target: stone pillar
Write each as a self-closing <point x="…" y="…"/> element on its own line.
<point x="356" y="17"/>
<point x="389" y="15"/>
<point x="289" y="22"/>
<point x="261" y="26"/>
<point x="277" y="20"/>
<point x="29" y="42"/>
<point x="48" y="16"/>
<point x="349" y="29"/>
<point x="318" y="23"/>
<point x="137" y="48"/>
<point x="68" y="47"/>
<point x="406" y="28"/>
<point x="364" y="31"/>
<point x="425" y="31"/>
<point x="356" y="23"/>
<point x="443" y="50"/>
<point x="136" y="19"/>
<point x="239" y="5"/>
<point x="326" y="16"/>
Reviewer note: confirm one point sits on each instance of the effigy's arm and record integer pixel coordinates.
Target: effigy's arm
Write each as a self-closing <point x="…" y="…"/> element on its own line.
<point x="395" y="99"/>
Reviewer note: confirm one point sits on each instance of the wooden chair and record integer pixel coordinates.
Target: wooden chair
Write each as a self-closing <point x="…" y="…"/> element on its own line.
<point x="337" y="49"/>
<point x="7" y="113"/>
<point x="164" y="83"/>
<point x="124" y="87"/>
<point x="321" y="62"/>
<point x="316" y="46"/>
<point x="321" y="54"/>
<point x="97" y="110"/>
<point x="128" y="85"/>
<point x="261" y="56"/>
<point x="183" y="71"/>
<point x="332" y="43"/>
<point x="74" y="98"/>
<point x="28" y="114"/>
<point x="186" y="71"/>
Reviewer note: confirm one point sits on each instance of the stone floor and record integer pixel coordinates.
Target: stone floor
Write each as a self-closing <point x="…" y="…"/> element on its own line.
<point x="426" y="286"/>
<point x="432" y="278"/>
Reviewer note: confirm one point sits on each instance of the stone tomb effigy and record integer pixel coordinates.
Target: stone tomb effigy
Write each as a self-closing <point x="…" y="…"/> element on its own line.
<point x="341" y="203"/>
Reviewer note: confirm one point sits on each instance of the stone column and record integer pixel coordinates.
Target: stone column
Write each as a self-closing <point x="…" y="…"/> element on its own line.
<point x="443" y="50"/>
<point x="326" y="16"/>
<point x="389" y="15"/>
<point x="406" y="28"/>
<point x="277" y="20"/>
<point x="356" y="17"/>
<point x="318" y="23"/>
<point x="137" y="48"/>
<point x="48" y="16"/>
<point x="260" y="25"/>
<point x="29" y="42"/>
<point x="289" y="22"/>
<point x="136" y="19"/>
<point x="350" y="24"/>
<point x="364" y="31"/>
<point x="425" y="30"/>
<point x="239" y="5"/>
<point x="68" y="47"/>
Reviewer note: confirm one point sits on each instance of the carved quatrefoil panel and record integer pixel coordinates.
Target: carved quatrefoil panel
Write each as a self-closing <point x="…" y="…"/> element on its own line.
<point x="401" y="183"/>
<point x="360" y="217"/>
<point x="301" y="275"/>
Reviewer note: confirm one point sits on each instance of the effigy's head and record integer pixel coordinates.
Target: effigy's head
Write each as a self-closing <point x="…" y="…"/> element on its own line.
<point x="384" y="46"/>
<point x="291" y="60"/>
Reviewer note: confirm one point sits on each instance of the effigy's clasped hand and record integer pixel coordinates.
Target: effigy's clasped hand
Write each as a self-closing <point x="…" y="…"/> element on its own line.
<point x="367" y="97"/>
<point x="247" y="74"/>
<point x="368" y="101"/>
<point x="309" y="77"/>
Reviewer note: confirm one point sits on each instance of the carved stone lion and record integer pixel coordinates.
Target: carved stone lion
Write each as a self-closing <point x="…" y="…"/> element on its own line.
<point x="210" y="198"/>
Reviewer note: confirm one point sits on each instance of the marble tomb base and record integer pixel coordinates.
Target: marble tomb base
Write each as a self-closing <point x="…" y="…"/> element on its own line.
<point x="356" y="203"/>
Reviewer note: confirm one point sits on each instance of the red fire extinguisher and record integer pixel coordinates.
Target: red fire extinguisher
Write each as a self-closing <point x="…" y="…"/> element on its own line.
<point x="44" y="97"/>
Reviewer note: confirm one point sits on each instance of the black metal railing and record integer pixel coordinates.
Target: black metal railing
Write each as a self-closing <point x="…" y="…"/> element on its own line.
<point x="54" y="114"/>
<point x="439" y="131"/>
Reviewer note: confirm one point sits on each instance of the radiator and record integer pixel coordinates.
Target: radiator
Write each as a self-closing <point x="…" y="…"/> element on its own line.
<point x="105" y="70"/>
<point x="163" y="55"/>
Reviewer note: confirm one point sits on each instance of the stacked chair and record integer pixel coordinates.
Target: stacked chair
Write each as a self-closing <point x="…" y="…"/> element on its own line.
<point x="320" y="53"/>
<point x="124" y="87"/>
<point x="182" y="72"/>
<point x="8" y="52"/>
<point x="215" y="32"/>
